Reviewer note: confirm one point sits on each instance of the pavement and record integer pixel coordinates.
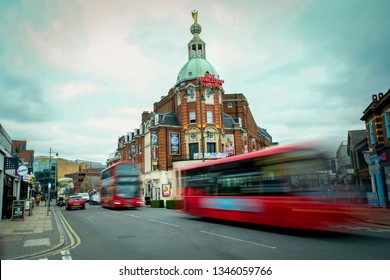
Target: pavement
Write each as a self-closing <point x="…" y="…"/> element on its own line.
<point x="38" y="233"/>
<point x="41" y="232"/>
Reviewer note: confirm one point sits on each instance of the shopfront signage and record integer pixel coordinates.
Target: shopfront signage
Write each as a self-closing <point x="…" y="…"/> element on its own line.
<point x="372" y="199"/>
<point x="18" y="209"/>
<point x="11" y="164"/>
<point x="22" y="170"/>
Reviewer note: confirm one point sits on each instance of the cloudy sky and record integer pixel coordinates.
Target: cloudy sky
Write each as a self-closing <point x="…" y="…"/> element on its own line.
<point x="76" y="74"/>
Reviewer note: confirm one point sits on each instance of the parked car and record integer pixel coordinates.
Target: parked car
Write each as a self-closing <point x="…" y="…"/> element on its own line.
<point x="85" y="196"/>
<point x="75" y="201"/>
<point x="95" y="198"/>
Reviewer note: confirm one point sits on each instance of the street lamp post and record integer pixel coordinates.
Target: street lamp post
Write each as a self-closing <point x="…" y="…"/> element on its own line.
<point x="56" y="173"/>
<point x="209" y="82"/>
<point x="49" y="183"/>
<point x="201" y="98"/>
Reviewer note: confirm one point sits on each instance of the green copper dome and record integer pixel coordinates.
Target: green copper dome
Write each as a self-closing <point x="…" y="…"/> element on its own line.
<point x="195" y="67"/>
<point x="197" y="64"/>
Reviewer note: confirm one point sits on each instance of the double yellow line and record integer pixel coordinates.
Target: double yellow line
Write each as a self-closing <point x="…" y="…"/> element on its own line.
<point x="71" y="236"/>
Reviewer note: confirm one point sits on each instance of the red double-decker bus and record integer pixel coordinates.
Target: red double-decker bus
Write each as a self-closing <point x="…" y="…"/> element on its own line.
<point x="120" y="186"/>
<point x="285" y="186"/>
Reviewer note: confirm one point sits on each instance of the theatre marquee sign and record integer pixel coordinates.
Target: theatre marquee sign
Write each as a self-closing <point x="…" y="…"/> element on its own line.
<point x="209" y="80"/>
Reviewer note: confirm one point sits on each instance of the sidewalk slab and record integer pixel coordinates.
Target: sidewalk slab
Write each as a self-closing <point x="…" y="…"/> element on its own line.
<point x="36" y="233"/>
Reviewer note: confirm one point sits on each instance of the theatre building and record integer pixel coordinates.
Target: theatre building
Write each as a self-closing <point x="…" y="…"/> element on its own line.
<point x="196" y="121"/>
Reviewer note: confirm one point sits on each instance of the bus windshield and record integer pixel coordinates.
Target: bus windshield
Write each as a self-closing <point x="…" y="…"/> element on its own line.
<point x="127" y="190"/>
<point x="127" y="169"/>
<point x="120" y="186"/>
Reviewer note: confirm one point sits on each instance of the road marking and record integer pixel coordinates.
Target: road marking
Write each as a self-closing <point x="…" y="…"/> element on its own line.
<point x="164" y="223"/>
<point x="66" y="255"/>
<point x="237" y="239"/>
<point x="37" y="242"/>
<point x="134" y="216"/>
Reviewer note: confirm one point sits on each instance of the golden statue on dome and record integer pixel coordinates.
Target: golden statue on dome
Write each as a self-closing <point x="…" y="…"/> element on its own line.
<point x="195" y="16"/>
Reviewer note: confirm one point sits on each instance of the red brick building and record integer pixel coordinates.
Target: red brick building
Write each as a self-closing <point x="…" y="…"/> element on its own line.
<point x="86" y="180"/>
<point x="195" y="121"/>
<point x="19" y="148"/>
<point x="377" y="120"/>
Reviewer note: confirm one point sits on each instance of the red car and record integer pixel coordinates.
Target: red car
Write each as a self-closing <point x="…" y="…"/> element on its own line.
<point x="75" y="201"/>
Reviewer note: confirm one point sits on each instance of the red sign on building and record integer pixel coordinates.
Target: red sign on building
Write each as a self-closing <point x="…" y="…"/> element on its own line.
<point x="209" y="80"/>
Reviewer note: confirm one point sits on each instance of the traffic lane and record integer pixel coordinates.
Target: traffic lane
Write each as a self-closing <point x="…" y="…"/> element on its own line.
<point x="181" y="238"/>
<point x="163" y="229"/>
<point x="140" y="237"/>
<point x="349" y="242"/>
<point x="180" y="219"/>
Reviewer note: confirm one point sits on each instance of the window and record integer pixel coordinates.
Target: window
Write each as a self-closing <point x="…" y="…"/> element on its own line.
<point x="387" y="122"/>
<point x="190" y="93"/>
<point x="372" y="136"/>
<point x="230" y="104"/>
<point x="192" y="117"/>
<point x="210" y="134"/>
<point x="209" y="116"/>
<point x="178" y="100"/>
<point x="199" y="50"/>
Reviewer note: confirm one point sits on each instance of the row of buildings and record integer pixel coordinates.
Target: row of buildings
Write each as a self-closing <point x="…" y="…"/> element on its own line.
<point x="377" y="154"/>
<point x="363" y="161"/>
<point x="38" y="172"/>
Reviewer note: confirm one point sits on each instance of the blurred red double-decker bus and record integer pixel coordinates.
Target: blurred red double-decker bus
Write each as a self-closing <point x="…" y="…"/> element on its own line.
<point x="120" y="186"/>
<point x="284" y="186"/>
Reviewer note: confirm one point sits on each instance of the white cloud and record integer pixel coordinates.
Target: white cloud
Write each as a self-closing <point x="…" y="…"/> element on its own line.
<point x="75" y="90"/>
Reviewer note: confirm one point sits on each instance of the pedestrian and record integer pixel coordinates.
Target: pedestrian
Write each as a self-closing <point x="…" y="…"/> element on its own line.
<point x="38" y="199"/>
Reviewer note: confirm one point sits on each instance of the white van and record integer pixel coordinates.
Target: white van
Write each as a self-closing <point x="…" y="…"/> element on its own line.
<point x="85" y="196"/>
<point x="95" y="198"/>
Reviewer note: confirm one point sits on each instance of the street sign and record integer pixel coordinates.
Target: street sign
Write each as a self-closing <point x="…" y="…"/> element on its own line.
<point x="22" y="170"/>
<point x="372" y="199"/>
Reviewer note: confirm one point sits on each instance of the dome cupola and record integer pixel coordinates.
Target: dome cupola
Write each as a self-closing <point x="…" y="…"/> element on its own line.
<point x="197" y="64"/>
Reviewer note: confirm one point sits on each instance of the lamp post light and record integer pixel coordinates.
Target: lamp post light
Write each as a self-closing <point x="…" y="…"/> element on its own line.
<point x="209" y="81"/>
<point x="49" y="183"/>
<point x="210" y="91"/>
<point x="201" y="98"/>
